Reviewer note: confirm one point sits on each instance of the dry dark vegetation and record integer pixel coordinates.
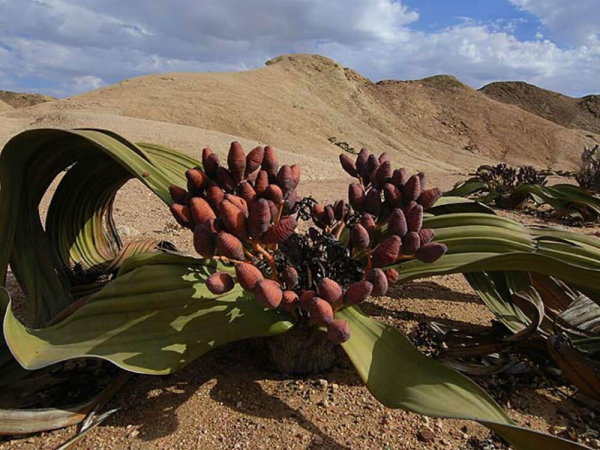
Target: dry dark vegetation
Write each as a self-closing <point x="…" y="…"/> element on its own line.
<point x="228" y="399"/>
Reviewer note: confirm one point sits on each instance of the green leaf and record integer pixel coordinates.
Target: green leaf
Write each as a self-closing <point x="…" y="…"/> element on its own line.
<point x="79" y="230"/>
<point x="566" y="199"/>
<point x="493" y="290"/>
<point x="26" y="421"/>
<point x="155" y="318"/>
<point x="448" y="204"/>
<point x="466" y="188"/>
<point x="484" y="242"/>
<point x="400" y="376"/>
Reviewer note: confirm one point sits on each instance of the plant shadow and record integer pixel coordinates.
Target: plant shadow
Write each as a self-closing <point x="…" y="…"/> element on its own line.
<point x="150" y="403"/>
<point x="425" y="290"/>
<point x="267" y="406"/>
<point x="374" y="310"/>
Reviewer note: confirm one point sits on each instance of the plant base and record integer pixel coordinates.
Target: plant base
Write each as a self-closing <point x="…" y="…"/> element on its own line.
<point x="304" y="350"/>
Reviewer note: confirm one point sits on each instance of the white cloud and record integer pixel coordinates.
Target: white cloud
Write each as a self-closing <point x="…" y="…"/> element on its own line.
<point x="574" y="21"/>
<point x="87" y="83"/>
<point x="75" y="45"/>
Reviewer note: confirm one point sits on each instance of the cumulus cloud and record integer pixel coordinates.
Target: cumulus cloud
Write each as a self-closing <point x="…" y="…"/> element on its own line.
<point x="478" y="55"/>
<point x="69" y="46"/>
<point x="574" y="21"/>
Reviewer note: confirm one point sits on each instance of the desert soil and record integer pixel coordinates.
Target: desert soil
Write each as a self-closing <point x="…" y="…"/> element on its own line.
<point x="227" y="398"/>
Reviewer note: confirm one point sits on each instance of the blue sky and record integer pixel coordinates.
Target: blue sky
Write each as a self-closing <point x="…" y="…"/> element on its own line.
<point x="64" y="47"/>
<point x="438" y="14"/>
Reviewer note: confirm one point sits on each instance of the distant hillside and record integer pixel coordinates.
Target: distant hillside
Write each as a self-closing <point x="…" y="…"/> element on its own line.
<point x="5" y="106"/>
<point x="298" y="102"/>
<point x="582" y="113"/>
<point x="20" y="100"/>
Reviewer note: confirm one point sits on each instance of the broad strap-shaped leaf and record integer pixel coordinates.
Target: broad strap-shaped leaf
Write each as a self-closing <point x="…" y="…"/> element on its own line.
<point x="26" y="421"/>
<point x="79" y="232"/>
<point x="448" y="204"/>
<point x="497" y="296"/>
<point x="155" y="318"/>
<point x="466" y="188"/>
<point x="484" y="242"/>
<point x="566" y="199"/>
<point x="400" y="376"/>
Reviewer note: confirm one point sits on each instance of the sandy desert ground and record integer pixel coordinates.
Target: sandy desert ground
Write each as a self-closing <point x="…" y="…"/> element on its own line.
<point x="227" y="399"/>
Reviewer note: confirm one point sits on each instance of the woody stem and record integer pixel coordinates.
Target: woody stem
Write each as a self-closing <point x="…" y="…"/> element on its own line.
<point x="268" y="257"/>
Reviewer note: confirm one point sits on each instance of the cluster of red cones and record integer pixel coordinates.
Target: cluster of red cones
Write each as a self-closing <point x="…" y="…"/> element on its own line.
<point x="241" y="213"/>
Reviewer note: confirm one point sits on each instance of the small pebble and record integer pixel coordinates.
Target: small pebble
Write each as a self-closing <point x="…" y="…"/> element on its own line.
<point x="426" y="435"/>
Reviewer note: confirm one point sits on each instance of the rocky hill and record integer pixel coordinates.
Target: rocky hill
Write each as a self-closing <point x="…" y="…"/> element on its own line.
<point x="578" y="113"/>
<point x="23" y="100"/>
<point x="302" y="102"/>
